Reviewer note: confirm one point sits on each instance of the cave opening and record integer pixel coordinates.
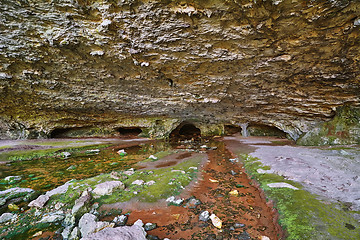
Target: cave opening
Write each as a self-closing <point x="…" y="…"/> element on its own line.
<point x="67" y="132"/>
<point x="265" y="130"/>
<point x="129" y="131"/>
<point x="186" y="131"/>
<point x="232" y="129"/>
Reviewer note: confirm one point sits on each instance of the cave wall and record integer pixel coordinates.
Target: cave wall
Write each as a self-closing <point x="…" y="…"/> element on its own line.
<point x="90" y="63"/>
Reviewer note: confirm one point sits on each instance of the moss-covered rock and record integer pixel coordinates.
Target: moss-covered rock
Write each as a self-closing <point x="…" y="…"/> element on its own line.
<point x="344" y="128"/>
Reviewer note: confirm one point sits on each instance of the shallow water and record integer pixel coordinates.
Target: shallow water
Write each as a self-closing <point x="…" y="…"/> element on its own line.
<point x="46" y="173"/>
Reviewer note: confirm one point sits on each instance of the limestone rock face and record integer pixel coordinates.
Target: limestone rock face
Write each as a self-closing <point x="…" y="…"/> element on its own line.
<point x="80" y="64"/>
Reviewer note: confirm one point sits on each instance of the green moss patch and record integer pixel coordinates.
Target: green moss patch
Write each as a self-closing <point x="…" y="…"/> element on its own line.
<point x="304" y="215"/>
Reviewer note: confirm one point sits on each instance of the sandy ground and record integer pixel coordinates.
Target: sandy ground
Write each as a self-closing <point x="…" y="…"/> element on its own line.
<point x="333" y="173"/>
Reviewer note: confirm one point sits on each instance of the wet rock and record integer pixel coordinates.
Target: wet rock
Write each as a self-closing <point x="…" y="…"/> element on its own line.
<point x="119" y="233"/>
<point x="281" y="185"/>
<point x="107" y="188"/>
<point x="120" y="220"/>
<point x="192" y="203"/>
<point x="39" y="202"/>
<point x="216" y="221"/>
<point x="174" y="201"/>
<point x="81" y="204"/>
<point x="204" y="216"/>
<point x="52" y="217"/>
<point x="138" y="182"/>
<point x="150" y="226"/>
<point x="152" y="237"/>
<point x="5" y="217"/>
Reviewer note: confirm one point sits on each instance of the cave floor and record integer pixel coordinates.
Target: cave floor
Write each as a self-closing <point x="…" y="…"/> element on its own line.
<point x="232" y="181"/>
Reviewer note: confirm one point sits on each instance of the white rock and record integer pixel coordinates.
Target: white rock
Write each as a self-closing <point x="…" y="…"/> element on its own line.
<point x="153" y="157"/>
<point x="15" y="191"/>
<point x="105" y="23"/>
<point x="264" y="238"/>
<point x="281" y="185"/>
<point x="12" y="178"/>
<point x="149" y="183"/>
<point x="138" y="182"/>
<point x="129" y="172"/>
<point x="65" y="154"/>
<point x="59" y="190"/>
<point x="81" y="202"/>
<point x="216" y="221"/>
<point x="138" y="223"/>
<point x="5" y="217"/>
<point x="52" y="217"/>
<point x="120" y="233"/>
<point x="39" y="202"/>
<point x="74" y="235"/>
<point x="96" y="53"/>
<point x="121" y="151"/>
<point x="107" y="188"/>
<point x="87" y="224"/>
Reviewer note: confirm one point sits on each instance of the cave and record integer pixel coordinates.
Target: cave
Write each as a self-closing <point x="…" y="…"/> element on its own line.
<point x="185" y="131"/>
<point x="129" y="131"/>
<point x="67" y="132"/>
<point x="231" y="129"/>
<point x="265" y="130"/>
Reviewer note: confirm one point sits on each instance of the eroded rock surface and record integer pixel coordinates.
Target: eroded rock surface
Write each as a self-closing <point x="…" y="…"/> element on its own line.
<point x="71" y="64"/>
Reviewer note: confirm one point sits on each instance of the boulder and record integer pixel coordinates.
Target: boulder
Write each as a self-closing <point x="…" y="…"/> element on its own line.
<point x="108" y="187"/>
<point x="40" y="201"/>
<point x="88" y="225"/>
<point x="119" y="233"/>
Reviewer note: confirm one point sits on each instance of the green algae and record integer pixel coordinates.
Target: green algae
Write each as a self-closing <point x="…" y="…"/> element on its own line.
<point x="304" y="215"/>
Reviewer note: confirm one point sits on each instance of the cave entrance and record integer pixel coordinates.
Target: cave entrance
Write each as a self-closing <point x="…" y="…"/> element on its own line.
<point x="232" y="129"/>
<point x="129" y="131"/>
<point x="185" y="131"/>
<point x="265" y="130"/>
<point x="68" y="132"/>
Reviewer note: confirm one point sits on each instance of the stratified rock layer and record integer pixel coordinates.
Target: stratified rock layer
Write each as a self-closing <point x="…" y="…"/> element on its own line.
<point x="153" y="64"/>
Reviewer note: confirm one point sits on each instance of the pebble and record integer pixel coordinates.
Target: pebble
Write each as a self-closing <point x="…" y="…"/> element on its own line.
<point x="153" y="157"/>
<point x="173" y="201"/>
<point x="204" y="216"/>
<point x="129" y="172"/>
<point x="121" y="152"/>
<point x="234" y="193"/>
<point x="120" y="220"/>
<point x="65" y="154"/>
<point x="216" y="221"/>
<point x="239" y="225"/>
<point x="233" y="172"/>
<point x="149" y="183"/>
<point x="13" y="207"/>
<point x="150" y="226"/>
<point x="138" y="182"/>
<point x="264" y="238"/>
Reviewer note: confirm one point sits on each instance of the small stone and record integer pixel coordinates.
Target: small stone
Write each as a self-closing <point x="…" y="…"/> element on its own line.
<point x="40" y="201"/>
<point x="138" y="223"/>
<point x="72" y="167"/>
<point x="204" y="216"/>
<point x="97" y="53"/>
<point x="281" y="185"/>
<point x="129" y="172"/>
<point x="120" y="220"/>
<point x="138" y="182"/>
<point x="216" y="221"/>
<point x="152" y="237"/>
<point x="65" y="154"/>
<point x="106" y="188"/>
<point x="121" y="152"/>
<point x="153" y="157"/>
<point x="13" y="207"/>
<point x="149" y="183"/>
<point x="234" y="160"/>
<point x="232" y="172"/>
<point x="231" y="228"/>
<point x="105" y="22"/>
<point x="234" y="193"/>
<point x="213" y="180"/>
<point x="37" y="234"/>
<point x="264" y="238"/>
<point x="12" y="178"/>
<point x="192" y="203"/>
<point x="150" y="226"/>
<point x="173" y="201"/>
<point x="5" y="217"/>
<point x="239" y="225"/>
